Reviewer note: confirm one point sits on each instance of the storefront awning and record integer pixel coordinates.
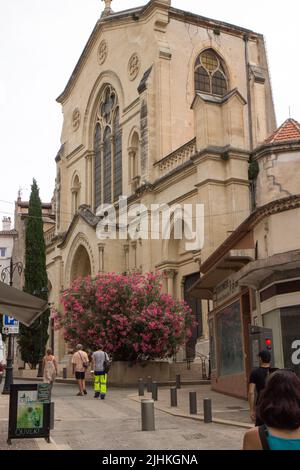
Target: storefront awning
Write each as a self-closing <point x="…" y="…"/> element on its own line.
<point x="232" y="262"/>
<point x="23" y="307"/>
<point x="258" y="273"/>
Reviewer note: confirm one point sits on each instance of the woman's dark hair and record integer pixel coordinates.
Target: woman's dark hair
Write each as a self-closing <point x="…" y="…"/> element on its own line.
<point x="49" y="352"/>
<point x="279" y="404"/>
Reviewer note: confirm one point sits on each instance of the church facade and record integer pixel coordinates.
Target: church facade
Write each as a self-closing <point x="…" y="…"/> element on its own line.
<point x="163" y="107"/>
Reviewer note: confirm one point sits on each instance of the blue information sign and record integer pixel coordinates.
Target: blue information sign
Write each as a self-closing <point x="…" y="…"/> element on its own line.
<point x="9" y="321"/>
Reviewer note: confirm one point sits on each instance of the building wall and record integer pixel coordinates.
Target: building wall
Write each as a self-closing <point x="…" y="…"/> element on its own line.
<point x="169" y="42"/>
<point x="6" y="241"/>
<point x="272" y="235"/>
<point x="276" y="176"/>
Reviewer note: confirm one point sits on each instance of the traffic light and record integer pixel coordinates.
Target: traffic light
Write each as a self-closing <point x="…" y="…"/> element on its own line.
<point x="269" y="344"/>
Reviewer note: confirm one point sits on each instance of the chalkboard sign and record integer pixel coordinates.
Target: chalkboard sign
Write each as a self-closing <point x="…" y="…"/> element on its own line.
<point x="44" y="393"/>
<point x="29" y="416"/>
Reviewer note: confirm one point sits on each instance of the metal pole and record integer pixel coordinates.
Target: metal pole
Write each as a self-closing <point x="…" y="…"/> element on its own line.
<point x="178" y="381"/>
<point x="9" y="376"/>
<point x="9" y="380"/>
<point x="193" y="403"/>
<point x="149" y="384"/>
<point x="65" y="373"/>
<point x="207" y="410"/>
<point x="154" y="391"/>
<point x="141" y="387"/>
<point x="148" y="420"/>
<point x="41" y="355"/>
<point x="173" y="392"/>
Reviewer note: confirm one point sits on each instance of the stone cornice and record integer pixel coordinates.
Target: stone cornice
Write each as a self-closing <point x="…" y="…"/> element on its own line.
<point x="183" y="171"/>
<point x="226" y="182"/>
<point x="277" y="147"/>
<point x="225" y="153"/>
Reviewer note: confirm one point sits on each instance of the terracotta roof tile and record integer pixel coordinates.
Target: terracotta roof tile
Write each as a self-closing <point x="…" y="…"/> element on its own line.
<point x="287" y="132"/>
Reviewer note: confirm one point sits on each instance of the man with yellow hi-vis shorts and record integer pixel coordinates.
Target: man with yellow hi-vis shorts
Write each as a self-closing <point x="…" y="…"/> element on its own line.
<point x="99" y="358"/>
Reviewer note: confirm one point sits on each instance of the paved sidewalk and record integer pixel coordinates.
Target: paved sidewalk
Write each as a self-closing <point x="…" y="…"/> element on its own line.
<point x="22" y="444"/>
<point x="225" y="409"/>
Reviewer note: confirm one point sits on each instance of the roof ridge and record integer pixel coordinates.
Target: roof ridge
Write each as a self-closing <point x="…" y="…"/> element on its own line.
<point x="289" y="130"/>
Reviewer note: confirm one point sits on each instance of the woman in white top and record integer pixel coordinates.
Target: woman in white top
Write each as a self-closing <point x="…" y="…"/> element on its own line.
<point x="49" y="367"/>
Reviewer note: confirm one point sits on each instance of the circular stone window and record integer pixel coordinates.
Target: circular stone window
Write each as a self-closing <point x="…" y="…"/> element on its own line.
<point x="133" y="66"/>
<point x="76" y="118"/>
<point x="102" y="52"/>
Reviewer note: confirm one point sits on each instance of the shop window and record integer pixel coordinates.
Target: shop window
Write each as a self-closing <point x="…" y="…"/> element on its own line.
<point x="212" y="348"/>
<point x="196" y="307"/>
<point x="230" y="344"/>
<point x="290" y="330"/>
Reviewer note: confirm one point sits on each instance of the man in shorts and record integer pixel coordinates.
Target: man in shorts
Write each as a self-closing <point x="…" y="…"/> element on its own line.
<point x="80" y="362"/>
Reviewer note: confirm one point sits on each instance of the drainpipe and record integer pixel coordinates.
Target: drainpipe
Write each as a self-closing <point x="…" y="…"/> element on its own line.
<point x="250" y="121"/>
<point x="246" y="39"/>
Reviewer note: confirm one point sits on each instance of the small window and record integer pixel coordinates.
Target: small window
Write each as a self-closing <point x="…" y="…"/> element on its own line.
<point x="2" y="252"/>
<point x="210" y="75"/>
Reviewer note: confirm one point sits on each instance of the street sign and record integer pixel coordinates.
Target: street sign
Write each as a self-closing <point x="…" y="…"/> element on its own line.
<point x="10" y="325"/>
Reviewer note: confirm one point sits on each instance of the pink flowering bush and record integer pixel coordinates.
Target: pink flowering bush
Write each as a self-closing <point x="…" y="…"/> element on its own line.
<point x="128" y="314"/>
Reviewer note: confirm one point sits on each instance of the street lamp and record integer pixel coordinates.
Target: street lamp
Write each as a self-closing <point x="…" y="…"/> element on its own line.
<point x="9" y="271"/>
<point x="43" y="291"/>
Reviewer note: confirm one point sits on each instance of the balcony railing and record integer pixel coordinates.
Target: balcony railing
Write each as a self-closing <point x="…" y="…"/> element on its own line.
<point x="49" y="236"/>
<point x="176" y="158"/>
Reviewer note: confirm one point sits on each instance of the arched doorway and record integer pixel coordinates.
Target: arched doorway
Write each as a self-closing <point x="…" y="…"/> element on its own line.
<point x="81" y="264"/>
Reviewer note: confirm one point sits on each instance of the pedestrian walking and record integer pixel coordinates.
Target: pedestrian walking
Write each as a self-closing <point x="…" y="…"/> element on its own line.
<point x="257" y="383"/>
<point x="80" y="362"/>
<point x="100" y="365"/>
<point x="50" y="370"/>
<point x="279" y="410"/>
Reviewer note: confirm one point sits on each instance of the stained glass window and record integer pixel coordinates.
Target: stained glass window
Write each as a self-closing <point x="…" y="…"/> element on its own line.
<point x="107" y="166"/>
<point x="117" y="157"/>
<point x="97" y="167"/>
<point x="108" y="149"/>
<point x="210" y="75"/>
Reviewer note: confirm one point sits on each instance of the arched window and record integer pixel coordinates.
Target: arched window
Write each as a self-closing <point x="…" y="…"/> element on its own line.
<point x="75" y="194"/>
<point x="108" y="149"/>
<point x="107" y="165"/>
<point x="210" y="74"/>
<point x="133" y="162"/>
<point x="98" y="167"/>
<point x="117" y="156"/>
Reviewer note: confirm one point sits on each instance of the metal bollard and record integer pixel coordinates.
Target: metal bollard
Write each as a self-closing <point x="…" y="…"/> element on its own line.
<point x="149" y="384"/>
<point x="65" y="373"/>
<point x="178" y="381"/>
<point x="173" y="391"/>
<point x="207" y="410"/>
<point x="148" y="420"/>
<point x="51" y="415"/>
<point x="154" y="391"/>
<point x="193" y="403"/>
<point x="141" y="387"/>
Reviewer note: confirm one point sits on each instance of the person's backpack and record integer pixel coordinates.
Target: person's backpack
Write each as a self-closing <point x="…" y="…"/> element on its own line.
<point x="106" y="364"/>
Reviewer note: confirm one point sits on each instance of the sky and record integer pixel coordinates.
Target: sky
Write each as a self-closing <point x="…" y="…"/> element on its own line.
<point x="41" y="42"/>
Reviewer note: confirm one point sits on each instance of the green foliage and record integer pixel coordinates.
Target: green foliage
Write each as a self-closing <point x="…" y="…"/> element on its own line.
<point x="253" y="170"/>
<point x="33" y="340"/>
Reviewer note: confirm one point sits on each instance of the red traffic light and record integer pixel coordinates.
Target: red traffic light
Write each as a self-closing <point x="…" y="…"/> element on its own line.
<point x="268" y="342"/>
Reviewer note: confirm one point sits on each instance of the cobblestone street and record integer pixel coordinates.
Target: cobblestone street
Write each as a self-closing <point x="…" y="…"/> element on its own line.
<point x="83" y="423"/>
